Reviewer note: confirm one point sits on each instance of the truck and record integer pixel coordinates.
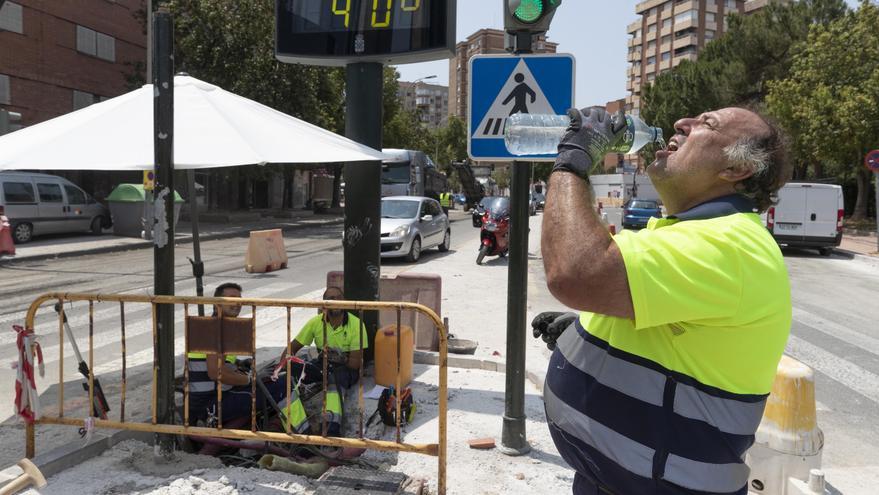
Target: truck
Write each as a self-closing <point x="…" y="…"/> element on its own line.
<point x="808" y="215"/>
<point x="411" y="173"/>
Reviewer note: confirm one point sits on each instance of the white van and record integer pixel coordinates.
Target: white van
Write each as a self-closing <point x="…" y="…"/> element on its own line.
<point x="38" y="204"/>
<point x="807" y="215"/>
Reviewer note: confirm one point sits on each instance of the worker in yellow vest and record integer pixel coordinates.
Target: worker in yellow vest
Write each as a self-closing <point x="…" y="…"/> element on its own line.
<point x="657" y="387"/>
<point x="446" y="202"/>
<point x="204" y="375"/>
<point x="345" y="340"/>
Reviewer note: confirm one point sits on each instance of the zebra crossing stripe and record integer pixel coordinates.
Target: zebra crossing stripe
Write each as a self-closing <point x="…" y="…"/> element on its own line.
<point x="843" y="371"/>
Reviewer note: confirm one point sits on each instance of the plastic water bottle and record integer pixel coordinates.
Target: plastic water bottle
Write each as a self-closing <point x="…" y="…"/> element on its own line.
<point x="536" y="134"/>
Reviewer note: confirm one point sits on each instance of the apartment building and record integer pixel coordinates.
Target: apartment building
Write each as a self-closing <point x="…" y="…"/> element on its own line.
<point x="430" y="101"/>
<point x="671" y="31"/>
<point x="60" y="56"/>
<point x="484" y="41"/>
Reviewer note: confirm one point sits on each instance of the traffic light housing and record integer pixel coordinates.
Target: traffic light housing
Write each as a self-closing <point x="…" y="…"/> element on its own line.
<point x="9" y="121"/>
<point x="532" y="16"/>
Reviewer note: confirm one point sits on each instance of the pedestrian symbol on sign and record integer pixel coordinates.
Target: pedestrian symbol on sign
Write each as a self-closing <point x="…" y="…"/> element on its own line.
<point x="520" y="94"/>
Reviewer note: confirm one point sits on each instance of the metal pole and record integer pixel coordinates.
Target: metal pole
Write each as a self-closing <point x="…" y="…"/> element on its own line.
<point x="363" y="123"/>
<point x="163" y="236"/>
<point x="149" y="58"/>
<point x="513" y="438"/>
<point x="197" y="264"/>
<point x="876" y="175"/>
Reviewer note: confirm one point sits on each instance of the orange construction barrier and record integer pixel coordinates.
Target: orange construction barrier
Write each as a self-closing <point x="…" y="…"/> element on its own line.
<point x="265" y="252"/>
<point x="7" y="246"/>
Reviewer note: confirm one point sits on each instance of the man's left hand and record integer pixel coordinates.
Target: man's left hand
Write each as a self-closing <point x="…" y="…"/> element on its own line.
<point x="548" y="326"/>
<point x="591" y="135"/>
<point x="336" y="356"/>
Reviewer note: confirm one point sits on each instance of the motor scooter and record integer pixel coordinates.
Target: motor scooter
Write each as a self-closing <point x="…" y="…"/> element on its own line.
<point x="494" y="234"/>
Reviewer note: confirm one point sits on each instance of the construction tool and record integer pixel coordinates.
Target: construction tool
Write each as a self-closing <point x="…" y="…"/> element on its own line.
<point x="101" y="407"/>
<point x="31" y="476"/>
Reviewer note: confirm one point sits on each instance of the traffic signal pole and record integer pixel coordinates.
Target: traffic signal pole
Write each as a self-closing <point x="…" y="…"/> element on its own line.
<point x="513" y="436"/>
<point x="362" y="236"/>
<point x="163" y="235"/>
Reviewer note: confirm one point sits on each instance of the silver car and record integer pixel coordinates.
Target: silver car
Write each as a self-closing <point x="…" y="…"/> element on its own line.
<point x="411" y="224"/>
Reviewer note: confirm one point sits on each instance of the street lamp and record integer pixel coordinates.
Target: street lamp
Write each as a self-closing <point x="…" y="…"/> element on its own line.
<point x="415" y="83"/>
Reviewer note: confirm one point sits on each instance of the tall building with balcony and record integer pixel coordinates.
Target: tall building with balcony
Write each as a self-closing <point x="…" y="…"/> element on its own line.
<point x="484" y="41"/>
<point x="429" y="101"/>
<point x="671" y="31"/>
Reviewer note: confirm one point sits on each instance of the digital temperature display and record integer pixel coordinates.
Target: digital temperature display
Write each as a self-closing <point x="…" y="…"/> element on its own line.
<point x="336" y="32"/>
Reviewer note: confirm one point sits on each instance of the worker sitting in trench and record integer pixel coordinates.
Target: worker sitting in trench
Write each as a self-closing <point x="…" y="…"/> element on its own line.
<point x="345" y="339"/>
<point x="204" y="373"/>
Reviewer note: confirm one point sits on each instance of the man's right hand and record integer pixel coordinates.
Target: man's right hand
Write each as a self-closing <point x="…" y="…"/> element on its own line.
<point x="549" y="325"/>
<point x="592" y="134"/>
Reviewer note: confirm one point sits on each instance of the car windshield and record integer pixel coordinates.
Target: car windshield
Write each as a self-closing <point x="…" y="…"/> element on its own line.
<point x="395" y="172"/>
<point x="640" y="203"/>
<point x="399" y="208"/>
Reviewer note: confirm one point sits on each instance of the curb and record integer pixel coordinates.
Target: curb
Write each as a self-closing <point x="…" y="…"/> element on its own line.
<point x="179" y="241"/>
<point x="857" y="255"/>
<point x="62" y="458"/>
<point x="470" y="363"/>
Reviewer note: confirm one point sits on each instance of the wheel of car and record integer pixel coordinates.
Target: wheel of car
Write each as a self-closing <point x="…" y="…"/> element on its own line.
<point x="414" y="251"/>
<point x="22" y="232"/>
<point x="447" y="242"/>
<point x="97" y="227"/>
<point x="827" y="251"/>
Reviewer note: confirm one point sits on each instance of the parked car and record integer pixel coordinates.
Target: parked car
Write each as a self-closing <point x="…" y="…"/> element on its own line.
<point x="411" y="224"/>
<point x="541" y="200"/>
<point x="636" y="212"/>
<point x="460" y="199"/>
<point x="39" y="204"/>
<point x="807" y="215"/>
<point x="533" y="204"/>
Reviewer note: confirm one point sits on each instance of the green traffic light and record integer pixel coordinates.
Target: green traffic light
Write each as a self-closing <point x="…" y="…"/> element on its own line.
<point x="529" y="11"/>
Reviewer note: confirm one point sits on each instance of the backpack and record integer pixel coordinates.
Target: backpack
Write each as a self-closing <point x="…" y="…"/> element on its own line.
<point x="387" y="406"/>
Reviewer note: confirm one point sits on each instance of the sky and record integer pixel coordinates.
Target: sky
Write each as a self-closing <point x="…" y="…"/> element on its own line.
<point x="594" y="31"/>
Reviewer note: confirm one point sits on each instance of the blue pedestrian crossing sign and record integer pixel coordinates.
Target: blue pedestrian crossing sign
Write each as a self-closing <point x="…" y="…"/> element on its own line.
<point x="503" y="85"/>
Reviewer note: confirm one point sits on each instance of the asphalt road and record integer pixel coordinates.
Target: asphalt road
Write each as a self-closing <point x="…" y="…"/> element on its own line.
<point x="835" y="328"/>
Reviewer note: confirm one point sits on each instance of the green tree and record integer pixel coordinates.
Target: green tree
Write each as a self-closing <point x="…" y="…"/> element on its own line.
<point x="734" y="69"/>
<point x="830" y="100"/>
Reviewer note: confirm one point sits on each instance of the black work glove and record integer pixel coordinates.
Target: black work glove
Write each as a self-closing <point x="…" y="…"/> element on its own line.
<point x="549" y="326"/>
<point x="591" y="135"/>
<point x="335" y="356"/>
<point x="244" y="364"/>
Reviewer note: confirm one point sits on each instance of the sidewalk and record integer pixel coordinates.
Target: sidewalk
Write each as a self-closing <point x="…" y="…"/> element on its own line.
<point x="860" y="244"/>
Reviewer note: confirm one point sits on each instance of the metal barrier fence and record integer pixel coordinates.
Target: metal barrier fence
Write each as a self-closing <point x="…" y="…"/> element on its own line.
<point x="438" y="449"/>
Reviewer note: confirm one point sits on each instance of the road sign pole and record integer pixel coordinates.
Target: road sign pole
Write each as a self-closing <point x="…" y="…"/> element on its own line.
<point x="163" y="252"/>
<point x="514" y="440"/>
<point x="362" y="237"/>
<point x="871" y="161"/>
